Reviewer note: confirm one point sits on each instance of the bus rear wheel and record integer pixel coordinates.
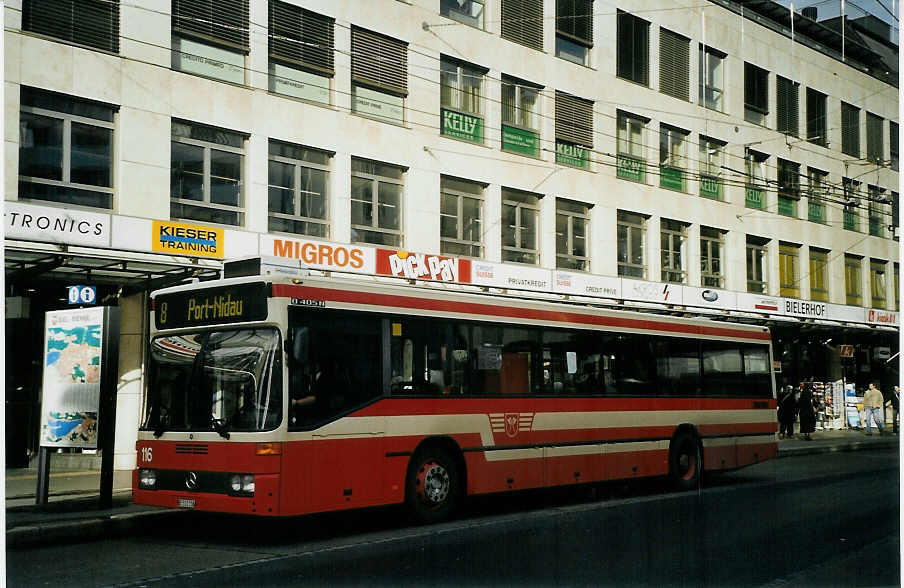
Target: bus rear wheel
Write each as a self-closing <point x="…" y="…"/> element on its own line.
<point x="685" y="461"/>
<point x="433" y="486"/>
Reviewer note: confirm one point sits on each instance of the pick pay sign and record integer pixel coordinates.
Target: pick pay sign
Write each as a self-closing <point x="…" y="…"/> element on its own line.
<point x="421" y="266"/>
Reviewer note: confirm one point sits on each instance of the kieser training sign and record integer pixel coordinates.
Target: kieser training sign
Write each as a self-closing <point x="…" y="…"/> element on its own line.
<point x="182" y="239"/>
<point x="72" y="364"/>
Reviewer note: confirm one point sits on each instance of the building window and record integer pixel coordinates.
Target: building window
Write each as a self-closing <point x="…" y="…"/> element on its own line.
<point x="756" y="94"/>
<point x="852" y="280"/>
<point x="789" y="270"/>
<point x="788" y="187"/>
<point x="572" y="223"/>
<point x="672" y="239"/>
<point x="712" y="83"/>
<point x="574" y="30"/>
<point x="377" y="190"/>
<point x="206" y="179"/>
<point x="712" y="245"/>
<point x="633" y="47"/>
<point x="757" y="268"/>
<point x="817" y="190"/>
<point x="65" y="149"/>
<point x="755" y="188"/>
<point x="877" y="283"/>
<point x="895" y="216"/>
<point x="897" y="279"/>
<point x="631" y="162"/>
<point x="297" y="190"/>
<point x="379" y="75"/>
<point x="816" y="118"/>
<point x="819" y="275"/>
<point x="674" y="65"/>
<point x="210" y="38"/>
<point x="876" y="210"/>
<point x="875" y="149"/>
<point x="574" y="130"/>
<point x="893" y="145"/>
<point x="851" y="203"/>
<point x="520" y="116"/>
<point x="672" y="158"/>
<point x="301" y="52"/>
<point x="630" y="233"/>
<point x="520" y="213"/>
<point x="461" y="100"/>
<point x="786" y="99"/>
<point x="469" y="12"/>
<point x="93" y="23"/>
<point x="461" y="217"/>
<point x="522" y="22"/>
<point x="711" y="153"/>
<point x="850" y="130"/>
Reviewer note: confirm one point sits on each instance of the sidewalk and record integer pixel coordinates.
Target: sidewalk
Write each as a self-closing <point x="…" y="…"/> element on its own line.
<point x="72" y="513"/>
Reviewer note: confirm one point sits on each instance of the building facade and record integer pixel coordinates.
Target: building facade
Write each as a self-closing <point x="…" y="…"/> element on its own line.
<point x="730" y="159"/>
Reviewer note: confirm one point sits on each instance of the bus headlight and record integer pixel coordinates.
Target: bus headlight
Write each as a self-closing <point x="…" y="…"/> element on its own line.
<point x="147" y="479"/>
<point x="242" y="483"/>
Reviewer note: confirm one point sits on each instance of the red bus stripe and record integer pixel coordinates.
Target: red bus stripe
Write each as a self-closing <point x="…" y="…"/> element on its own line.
<point x="429" y="304"/>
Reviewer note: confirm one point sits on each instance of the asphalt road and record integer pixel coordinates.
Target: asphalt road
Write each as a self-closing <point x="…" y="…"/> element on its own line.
<point x="820" y="520"/>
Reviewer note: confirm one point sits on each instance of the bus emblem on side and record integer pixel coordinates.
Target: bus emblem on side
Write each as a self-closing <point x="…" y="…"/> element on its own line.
<point x="511" y="423"/>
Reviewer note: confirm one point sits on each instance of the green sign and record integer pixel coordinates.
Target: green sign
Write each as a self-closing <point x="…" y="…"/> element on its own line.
<point x="787" y="206"/>
<point x="850" y="221"/>
<point x="671" y="178"/>
<point x="212" y="306"/>
<point x="520" y="141"/>
<point x="711" y="187"/>
<point x="568" y="154"/>
<point x="461" y="126"/>
<point x="816" y="211"/>
<point x="630" y="168"/>
<point x="754" y="198"/>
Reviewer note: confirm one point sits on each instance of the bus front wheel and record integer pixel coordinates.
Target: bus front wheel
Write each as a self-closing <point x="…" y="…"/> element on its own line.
<point x="685" y="461"/>
<point x="433" y="485"/>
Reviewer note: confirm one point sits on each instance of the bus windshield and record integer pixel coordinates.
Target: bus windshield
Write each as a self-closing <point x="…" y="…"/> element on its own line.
<point x="224" y="381"/>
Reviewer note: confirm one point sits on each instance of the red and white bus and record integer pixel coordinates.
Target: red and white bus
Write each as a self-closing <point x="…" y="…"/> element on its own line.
<point x="281" y="396"/>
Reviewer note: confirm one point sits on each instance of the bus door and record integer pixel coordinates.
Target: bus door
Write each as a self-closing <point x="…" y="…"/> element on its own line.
<point x="334" y="372"/>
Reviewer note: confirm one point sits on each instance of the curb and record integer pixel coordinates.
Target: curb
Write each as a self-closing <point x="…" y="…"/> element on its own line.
<point x="845" y="447"/>
<point x="90" y="529"/>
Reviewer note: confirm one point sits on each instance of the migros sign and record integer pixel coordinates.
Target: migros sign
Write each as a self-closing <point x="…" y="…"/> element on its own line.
<point x="321" y="254"/>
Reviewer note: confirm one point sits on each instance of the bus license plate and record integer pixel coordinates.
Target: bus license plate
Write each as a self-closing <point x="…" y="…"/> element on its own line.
<point x="186" y="502"/>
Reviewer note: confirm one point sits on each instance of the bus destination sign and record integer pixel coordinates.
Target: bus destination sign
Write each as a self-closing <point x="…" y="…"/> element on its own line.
<point x="212" y="306"/>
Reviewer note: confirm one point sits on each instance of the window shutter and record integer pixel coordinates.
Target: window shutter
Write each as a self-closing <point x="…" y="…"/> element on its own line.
<point x="380" y="61"/>
<point x="223" y="21"/>
<point x="574" y="119"/>
<point x="301" y="36"/>
<point x="893" y="144"/>
<point x="786" y="105"/>
<point x="816" y="118"/>
<point x="674" y="64"/>
<point x="522" y="22"/>
<point x="94" y="23"/>
<point x="574" y="20"/>
<point x="850" y="130"/>
<point x="874" y="147"/>
<point x="633" y="48"/>
<point x="756" y="88"/>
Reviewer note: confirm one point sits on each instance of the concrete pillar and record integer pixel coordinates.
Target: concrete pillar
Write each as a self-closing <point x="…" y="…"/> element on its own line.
<point x="493" y="226"/>
<point x="340" y="197"/>
<point x="653" y="251"/>
<point x="256" y="172"/>
<point x="129" y="397"/>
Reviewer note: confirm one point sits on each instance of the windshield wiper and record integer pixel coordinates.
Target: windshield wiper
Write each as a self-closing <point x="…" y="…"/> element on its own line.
<point x="219" y="425"/>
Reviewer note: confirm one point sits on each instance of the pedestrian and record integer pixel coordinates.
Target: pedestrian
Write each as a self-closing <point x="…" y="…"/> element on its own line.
<point x="872" y="409"/>
<point x="786" y="409"/>
<point x="805" y="410"/>
<point x="893" y="403"/>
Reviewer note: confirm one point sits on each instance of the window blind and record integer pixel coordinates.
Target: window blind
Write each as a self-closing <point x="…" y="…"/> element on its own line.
<point x="787" y="106"/>
<point x="379" y="61"/>
<point x="816" y="118"/>
<point x="574" y="119"/>
<point x="574" y="20"/>
<point x="874" y="147"/>
<point x="632" y="48"/>
<point x="222" y="21"/>
<point x="674" y="64"/>
<point x="522" y="22"/>
<point x="94" y="23"/>
<point x="301" y="36"/>
<point x="850" y="130"/>
<point x="756" y="88"/>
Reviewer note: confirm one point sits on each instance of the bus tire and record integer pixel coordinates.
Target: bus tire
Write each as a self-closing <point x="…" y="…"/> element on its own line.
<point x="685" y="461"/>
<point x="433" y="485"/>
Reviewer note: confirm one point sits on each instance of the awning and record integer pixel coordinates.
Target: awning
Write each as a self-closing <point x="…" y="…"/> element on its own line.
<point x="133" y="271"/>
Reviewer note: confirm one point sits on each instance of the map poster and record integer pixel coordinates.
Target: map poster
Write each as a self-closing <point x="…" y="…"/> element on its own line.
<point x="72" y="368"/>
